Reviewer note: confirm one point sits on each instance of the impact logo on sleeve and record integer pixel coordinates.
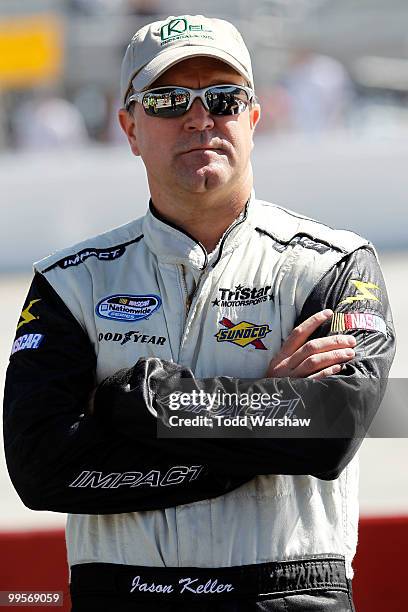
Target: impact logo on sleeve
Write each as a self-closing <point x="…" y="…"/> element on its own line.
<point x="101" y="254"/>
<point x="28" y="341"/>
<point x="243" y="333"/>
<point x="26" y="315"/>
<point x="344" y="321"/>
<point x="128" y="307"/>
<point x="176" y="475"/>
<point x="364" y="293"/>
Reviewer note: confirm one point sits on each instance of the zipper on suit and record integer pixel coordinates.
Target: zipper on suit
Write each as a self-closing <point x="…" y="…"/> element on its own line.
<point x="189" y="299"/>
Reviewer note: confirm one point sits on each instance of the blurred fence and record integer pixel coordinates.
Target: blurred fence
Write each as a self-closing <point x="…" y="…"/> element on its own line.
<point x="50" y="201"/>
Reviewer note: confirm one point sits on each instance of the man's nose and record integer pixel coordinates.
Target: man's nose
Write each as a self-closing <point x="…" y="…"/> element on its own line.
<point x="198" y="117"/>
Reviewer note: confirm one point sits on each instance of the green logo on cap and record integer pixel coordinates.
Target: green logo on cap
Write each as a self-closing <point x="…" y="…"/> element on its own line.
<point x="175" y="27"/>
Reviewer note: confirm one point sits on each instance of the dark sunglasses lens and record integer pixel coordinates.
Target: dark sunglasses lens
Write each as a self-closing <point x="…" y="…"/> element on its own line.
<point x="226" y="100"/>
<point x="166" y="102"/>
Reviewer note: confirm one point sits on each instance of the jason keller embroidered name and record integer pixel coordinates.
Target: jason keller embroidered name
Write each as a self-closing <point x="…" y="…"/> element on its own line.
<point x="192" y="585"/>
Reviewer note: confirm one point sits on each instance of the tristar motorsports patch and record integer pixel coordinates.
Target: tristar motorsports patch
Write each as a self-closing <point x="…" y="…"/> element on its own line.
<point x="127" y="307"/>
<point x="243" y="333"/>
<point x="344" y="321"/>
<point x="242" y="295"/>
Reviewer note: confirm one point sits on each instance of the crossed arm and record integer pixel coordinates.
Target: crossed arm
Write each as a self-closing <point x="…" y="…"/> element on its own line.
<point x="52" y="439"/>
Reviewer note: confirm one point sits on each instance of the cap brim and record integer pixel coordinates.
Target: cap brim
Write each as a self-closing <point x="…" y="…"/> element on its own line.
<point x="165" y="60"/>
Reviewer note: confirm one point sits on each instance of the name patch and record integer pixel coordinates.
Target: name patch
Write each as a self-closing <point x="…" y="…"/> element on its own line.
<point x="187" y="584"/>
<point x="128" y="307"/>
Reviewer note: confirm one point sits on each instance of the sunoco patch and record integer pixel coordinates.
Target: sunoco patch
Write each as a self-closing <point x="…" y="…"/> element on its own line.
<point x="243" y="333"/>
<point x="127" y="308"/>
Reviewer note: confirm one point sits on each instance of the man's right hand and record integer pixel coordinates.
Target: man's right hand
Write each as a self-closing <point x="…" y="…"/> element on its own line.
<point x="318" y="358"/>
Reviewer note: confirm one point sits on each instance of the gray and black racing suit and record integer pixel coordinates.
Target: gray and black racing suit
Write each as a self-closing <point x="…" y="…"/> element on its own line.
<point x="148" y="294"/>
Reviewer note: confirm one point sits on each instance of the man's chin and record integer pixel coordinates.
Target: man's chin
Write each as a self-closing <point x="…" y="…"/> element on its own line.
<point x="206" y="178"/>
<point x="206" y="183"/>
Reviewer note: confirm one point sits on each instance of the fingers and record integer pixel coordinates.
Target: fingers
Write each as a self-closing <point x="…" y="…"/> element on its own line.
<point x="301" y="333"/>
<point x="322" y="345"/>
<point x="336" y="369"/>
<point x="311" y="365"/>
<point x="321" y="361"/>
<point x="300" y="358"/>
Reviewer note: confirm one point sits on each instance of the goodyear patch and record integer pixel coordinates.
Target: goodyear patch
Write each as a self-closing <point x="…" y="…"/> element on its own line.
<point x="344" y="321"/>
<point x="131" y="336"/>
<point x="127" y="308"/>
<point x="243" y="333"/>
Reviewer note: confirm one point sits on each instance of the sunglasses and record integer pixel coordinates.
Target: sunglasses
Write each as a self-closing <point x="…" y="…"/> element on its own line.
<point x="173" y="101"/>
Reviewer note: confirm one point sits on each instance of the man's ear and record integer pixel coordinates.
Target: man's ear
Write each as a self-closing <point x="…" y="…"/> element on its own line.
<point x="254" y="115"/>
<point x="128" y="125"/>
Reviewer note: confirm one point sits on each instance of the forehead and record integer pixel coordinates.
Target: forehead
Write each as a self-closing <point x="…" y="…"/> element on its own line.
<point x="208" y="68"/>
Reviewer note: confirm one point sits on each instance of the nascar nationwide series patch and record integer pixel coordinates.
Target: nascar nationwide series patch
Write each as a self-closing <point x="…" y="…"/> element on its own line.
<point x="243" y="333"/>
<point x="127" y="308"/>
<point x="344" y="321"/>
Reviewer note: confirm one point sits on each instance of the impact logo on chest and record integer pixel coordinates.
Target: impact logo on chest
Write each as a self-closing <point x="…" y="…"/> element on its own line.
<point x="243" y="333"/>
<point x="242" y="296"/>
<point x="127" y="308"/>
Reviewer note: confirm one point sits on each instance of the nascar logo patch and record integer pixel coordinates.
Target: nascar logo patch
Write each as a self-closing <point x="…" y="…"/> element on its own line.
<point x="28" y="341"/>
<point x="243" y="333"/>
<point x="344" y="321"/>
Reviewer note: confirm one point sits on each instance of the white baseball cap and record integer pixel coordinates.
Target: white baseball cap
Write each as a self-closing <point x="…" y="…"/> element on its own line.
<point x="161" y="44"/>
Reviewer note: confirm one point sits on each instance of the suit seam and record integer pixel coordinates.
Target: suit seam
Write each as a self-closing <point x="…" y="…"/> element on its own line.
<point x="337" y="263"/>
<point x="300" y="234"/>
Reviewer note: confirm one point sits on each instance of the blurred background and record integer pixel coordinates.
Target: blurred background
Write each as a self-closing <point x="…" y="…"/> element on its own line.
<point x="332" y="79"/>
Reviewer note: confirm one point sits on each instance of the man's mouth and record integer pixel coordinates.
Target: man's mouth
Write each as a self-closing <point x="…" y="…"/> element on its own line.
<point x="205" y="149"/>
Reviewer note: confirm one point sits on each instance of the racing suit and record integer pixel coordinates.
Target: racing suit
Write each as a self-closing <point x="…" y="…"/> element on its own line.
<point x="147" y="292"/>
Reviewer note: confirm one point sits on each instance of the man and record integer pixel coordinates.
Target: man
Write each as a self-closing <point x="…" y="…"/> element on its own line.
<point x="211" y="283"/>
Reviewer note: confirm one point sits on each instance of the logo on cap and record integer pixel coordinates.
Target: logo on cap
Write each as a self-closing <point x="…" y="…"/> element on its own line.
<point x="175" y="27"/>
